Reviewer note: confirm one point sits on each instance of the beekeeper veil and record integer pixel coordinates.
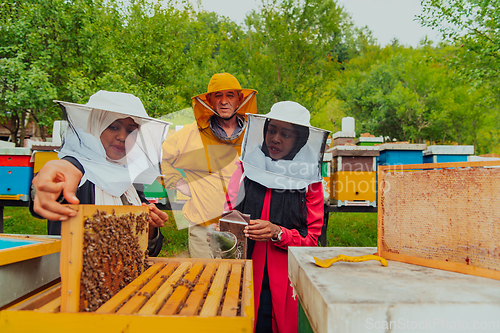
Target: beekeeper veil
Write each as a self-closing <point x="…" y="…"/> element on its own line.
<point x="281" y="150"/>
<point x="140" y="154"/>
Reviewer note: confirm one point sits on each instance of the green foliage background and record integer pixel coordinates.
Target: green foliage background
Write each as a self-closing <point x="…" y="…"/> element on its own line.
<point x="307" y="51"/>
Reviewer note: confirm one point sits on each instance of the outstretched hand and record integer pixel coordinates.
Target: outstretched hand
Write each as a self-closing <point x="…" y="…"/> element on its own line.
<point x="157" y="218"/>
<point x="261" y="231"/>
<point x="53" y="178"/>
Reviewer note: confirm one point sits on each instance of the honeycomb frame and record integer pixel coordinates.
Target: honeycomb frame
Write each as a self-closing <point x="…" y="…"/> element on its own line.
<point x="442" y="216"/>
<point x="103" y="248"/>
<point x="181" y="294"/>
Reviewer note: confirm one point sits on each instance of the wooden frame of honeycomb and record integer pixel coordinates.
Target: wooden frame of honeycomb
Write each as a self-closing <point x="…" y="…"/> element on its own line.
<point x="103" y="248"/>
<point x="441" y="216"/>
<point x="177" y="294"/>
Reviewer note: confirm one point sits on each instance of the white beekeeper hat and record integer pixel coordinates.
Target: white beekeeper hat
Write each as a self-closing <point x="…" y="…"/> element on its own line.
<point x="142" y="163"/>
<point x="296" y="172"/>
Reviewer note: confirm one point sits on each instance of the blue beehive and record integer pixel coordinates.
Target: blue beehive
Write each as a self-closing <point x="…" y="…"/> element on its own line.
<point x="16" y="173"/>
<point x="400" y="153"/>
<point x="15" y="182"/>
<point x="445" y="154"/>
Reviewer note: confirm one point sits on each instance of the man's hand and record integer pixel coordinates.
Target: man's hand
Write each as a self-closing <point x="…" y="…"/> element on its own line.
<point x="261" y="231"/>
<point x="183" y="187"/>
<point x="211" y="228"/>
<point x="55" y="177"/>
<point x="157" y="218"/>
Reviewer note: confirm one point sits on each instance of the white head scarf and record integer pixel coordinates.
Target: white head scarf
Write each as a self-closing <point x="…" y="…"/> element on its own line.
<point x="297" y="173"/>
<point x="141" y="163"/>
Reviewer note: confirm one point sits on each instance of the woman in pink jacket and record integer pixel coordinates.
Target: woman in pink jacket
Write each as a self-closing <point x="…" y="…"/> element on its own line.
<point x="278" y="182"/>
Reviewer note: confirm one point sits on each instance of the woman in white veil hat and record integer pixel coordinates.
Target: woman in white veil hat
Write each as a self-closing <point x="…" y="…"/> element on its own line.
<point x="279" y="185"/>
<point x="115" y="145"/>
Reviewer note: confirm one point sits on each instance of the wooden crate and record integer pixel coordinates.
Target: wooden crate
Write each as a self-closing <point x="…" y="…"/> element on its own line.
<point x="23" y="247"/>
<point x="353" y="177"/>
<point x="103" y="248"/>
<point x="401" y="153"/>
<point x="16" y="160"/>
<point x="353" y="185"/>
<point x="441" y="216"/>
<point x="27" y="263"/>
<point x="354" y="158"/>
<point x="42" y="157"/>
<point x="176" y="295"/>
<point x="15" y="157"/>
<point x="15" y="182"/>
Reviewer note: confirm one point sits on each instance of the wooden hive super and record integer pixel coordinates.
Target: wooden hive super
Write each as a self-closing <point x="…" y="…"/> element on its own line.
<point x="176" y="295"/>
<point x="27" y="263"/>
<point x="441" y="215"/>
<point x="102" y="288"/>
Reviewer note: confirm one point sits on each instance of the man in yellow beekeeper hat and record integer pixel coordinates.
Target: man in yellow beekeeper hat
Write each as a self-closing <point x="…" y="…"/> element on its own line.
<point x="207" y="151"/>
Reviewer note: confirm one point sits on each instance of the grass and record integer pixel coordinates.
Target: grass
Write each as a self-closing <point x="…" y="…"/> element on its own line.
<point x="18" y="220"/>
<point x="352" y="229"/>
<point x="176" y="235"/>
<point x="344" y="229"/>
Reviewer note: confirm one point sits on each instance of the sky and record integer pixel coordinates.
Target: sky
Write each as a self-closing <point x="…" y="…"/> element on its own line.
<point x="387" y="19"/>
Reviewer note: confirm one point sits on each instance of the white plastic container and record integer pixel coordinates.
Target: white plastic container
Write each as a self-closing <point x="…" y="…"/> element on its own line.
<point x="348" y="124"/>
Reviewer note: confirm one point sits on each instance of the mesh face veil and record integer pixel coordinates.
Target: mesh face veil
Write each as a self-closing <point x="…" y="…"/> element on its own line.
<point x="138" y="146"/>
<point x="281" y="150"/>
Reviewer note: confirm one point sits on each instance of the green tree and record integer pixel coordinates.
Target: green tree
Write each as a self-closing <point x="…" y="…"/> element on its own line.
<point x="410" y="95"/>
<point x="25" y="94"/>
<point x="214" y="31"/>
<point x="63" y="46"/>
<point x="291" y="50"/>
<point x="157" y="48"/>
<point x="474" y="27"/>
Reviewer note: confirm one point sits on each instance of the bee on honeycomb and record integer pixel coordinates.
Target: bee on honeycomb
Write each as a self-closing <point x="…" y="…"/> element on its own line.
<point x="112" y="256"/>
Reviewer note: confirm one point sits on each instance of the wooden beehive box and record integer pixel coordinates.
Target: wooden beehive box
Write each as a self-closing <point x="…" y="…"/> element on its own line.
<point x="103" y="248"/>
<point x="17" y="248"/>
<point x="27" y="263"/>
<point x="353" y="177"/>
<point x="176" y="295"/>
<point x="443" y="216"/>
<point x="16" y="173"/>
